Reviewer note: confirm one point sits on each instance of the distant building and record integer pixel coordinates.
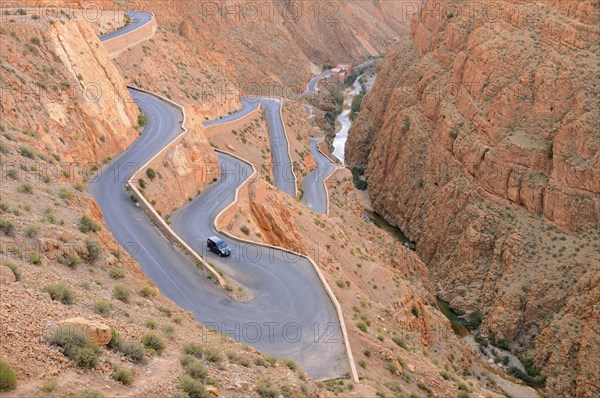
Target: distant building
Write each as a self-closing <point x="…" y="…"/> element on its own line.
<point x="341" y="72"/>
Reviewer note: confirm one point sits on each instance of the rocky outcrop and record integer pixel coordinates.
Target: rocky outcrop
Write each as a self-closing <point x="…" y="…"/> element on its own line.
<point x="97" y="332"/>
<point x="63" y="92"/>
<point x="181" y="171"/>
<point x="6" y="275"/>
<point x="480" y="139"/>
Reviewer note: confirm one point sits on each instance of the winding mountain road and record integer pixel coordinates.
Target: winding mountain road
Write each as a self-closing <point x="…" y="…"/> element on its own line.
<point x="291" y="314"/>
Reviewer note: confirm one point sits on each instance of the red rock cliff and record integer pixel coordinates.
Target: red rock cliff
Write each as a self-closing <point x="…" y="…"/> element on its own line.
<point x="481" y="140"/>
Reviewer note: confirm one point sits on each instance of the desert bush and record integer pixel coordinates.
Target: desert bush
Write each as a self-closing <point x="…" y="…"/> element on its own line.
<point x="8" y="377"/>
<point x="65" y="194"/>
<point x="89" y="394"/>
<point x="122" y="375"/>
<point x="32" y="231"/>
<point x="193" y="388"/>
<point x="151" y="173"/>
<point x="462" y="394"/>
<point x="399" y="342"/>
<point x="116" y="273"/>
<point x="150" y="340"/>
<point x="150" y="323"/>
<point x="290" y="364"/>
<point x="88" y="224"/>
<point x="15" y="270"/>
<point x="49" y="385"/>
<point x="77" y="347"/>
<point x="193" y="349"/>
<point x="60" y="292"/>
<point x="7" y="227"/>
<point x="266" y="390"/>
<point x="103" y="307"/>
<point x="122" y="292"/>
<point x="94" y="249"/>
<point x="133" y="351"/>
<point x="148" y="291"/>
<point x="25" y="188"/>
<point x="362" y="326"/>
<point x="260" y="361"/>
<point x="212" y="354"/>
<point x="245" y="230"/>
<point x="71" y="260"/>
<point x="196" y="370"/>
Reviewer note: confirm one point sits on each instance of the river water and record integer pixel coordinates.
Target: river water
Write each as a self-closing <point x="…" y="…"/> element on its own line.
<point x="339" y="142"/>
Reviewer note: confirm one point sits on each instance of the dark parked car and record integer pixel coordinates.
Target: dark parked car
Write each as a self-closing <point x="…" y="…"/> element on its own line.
<point x="218" y="246"/>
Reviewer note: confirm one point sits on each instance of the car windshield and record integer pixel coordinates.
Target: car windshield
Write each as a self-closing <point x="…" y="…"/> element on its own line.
<point x="221" y="245"/>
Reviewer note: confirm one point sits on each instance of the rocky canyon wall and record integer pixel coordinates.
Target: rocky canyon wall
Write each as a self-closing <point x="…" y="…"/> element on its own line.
<point x="481" y="140"/>
<point x="60" y="89"/>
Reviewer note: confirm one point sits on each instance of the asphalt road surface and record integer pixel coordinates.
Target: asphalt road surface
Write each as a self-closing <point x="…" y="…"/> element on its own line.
<point x="290" y="316"/>
<point x="315" y="194"/>
<point x="138" y="18"/>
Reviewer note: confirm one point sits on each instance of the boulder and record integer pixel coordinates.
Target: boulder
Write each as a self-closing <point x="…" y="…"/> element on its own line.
<point x="95" y="331"/>
<point x="212" y="390"/>
<point x="6" y="275"/>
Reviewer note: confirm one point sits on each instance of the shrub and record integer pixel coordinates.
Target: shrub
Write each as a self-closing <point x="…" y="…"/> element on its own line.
<point x="133" y="351"/>
<point x="94" y="249"/>
<point x="196" y="370"/>
<point x="15" y="270"/>
<point x="122" y="375"/>
<point x="49" y="385"/>
<point x="89" y="394"/>
<point x="186" y="359"/>
<point x="362" y="326"/>
<point x="32" y="231"/>
<point x="266" y="390"/>
<point x="71" y="260"/>
<point x="8" y="377"/>
<point x="65" y="194"/>
<point x="462" y="394"/>
<point x="550" y="149"/>
<point x="103" y="307"/>
<point x="290" y="364"/>
<point x="406" y="124"/>
<point x="27" y="152"/>
<point x="415" y="311"/>
<point x="34" y="258"/>
<point x="367" y="353"/>
<point x="193" y="388"/>
<point x="148" y="291"/>
<point x="87" y="357"/>
<point x="88" y="224"/>
<point x="245" y="230"/>
<point x="474" y="320"/>
<point x="362" y="363"/>
<point x="211" y="354"/>
<point x="25" y="188"/>
<point x="150" y="323"/>
<point x="77" y="347"/>
<point x="7" y="227"/>
<point x="193" y="349"/>
<point x="151" y="173"/>
<point x="116" y="273"/>
<point x="60" y="292"/>
<point x="260" y="361"/>
<point x="142" y="120"/>
<point x="150" y="340"/>
<point x="122" y="292"/>
<point x="399" y="342"/>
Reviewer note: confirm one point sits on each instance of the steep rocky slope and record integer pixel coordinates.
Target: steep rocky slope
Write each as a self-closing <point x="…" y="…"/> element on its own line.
<point x="58" y="262"/>
<point x="212" y="51"/>
<point x="481" y="140"/>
